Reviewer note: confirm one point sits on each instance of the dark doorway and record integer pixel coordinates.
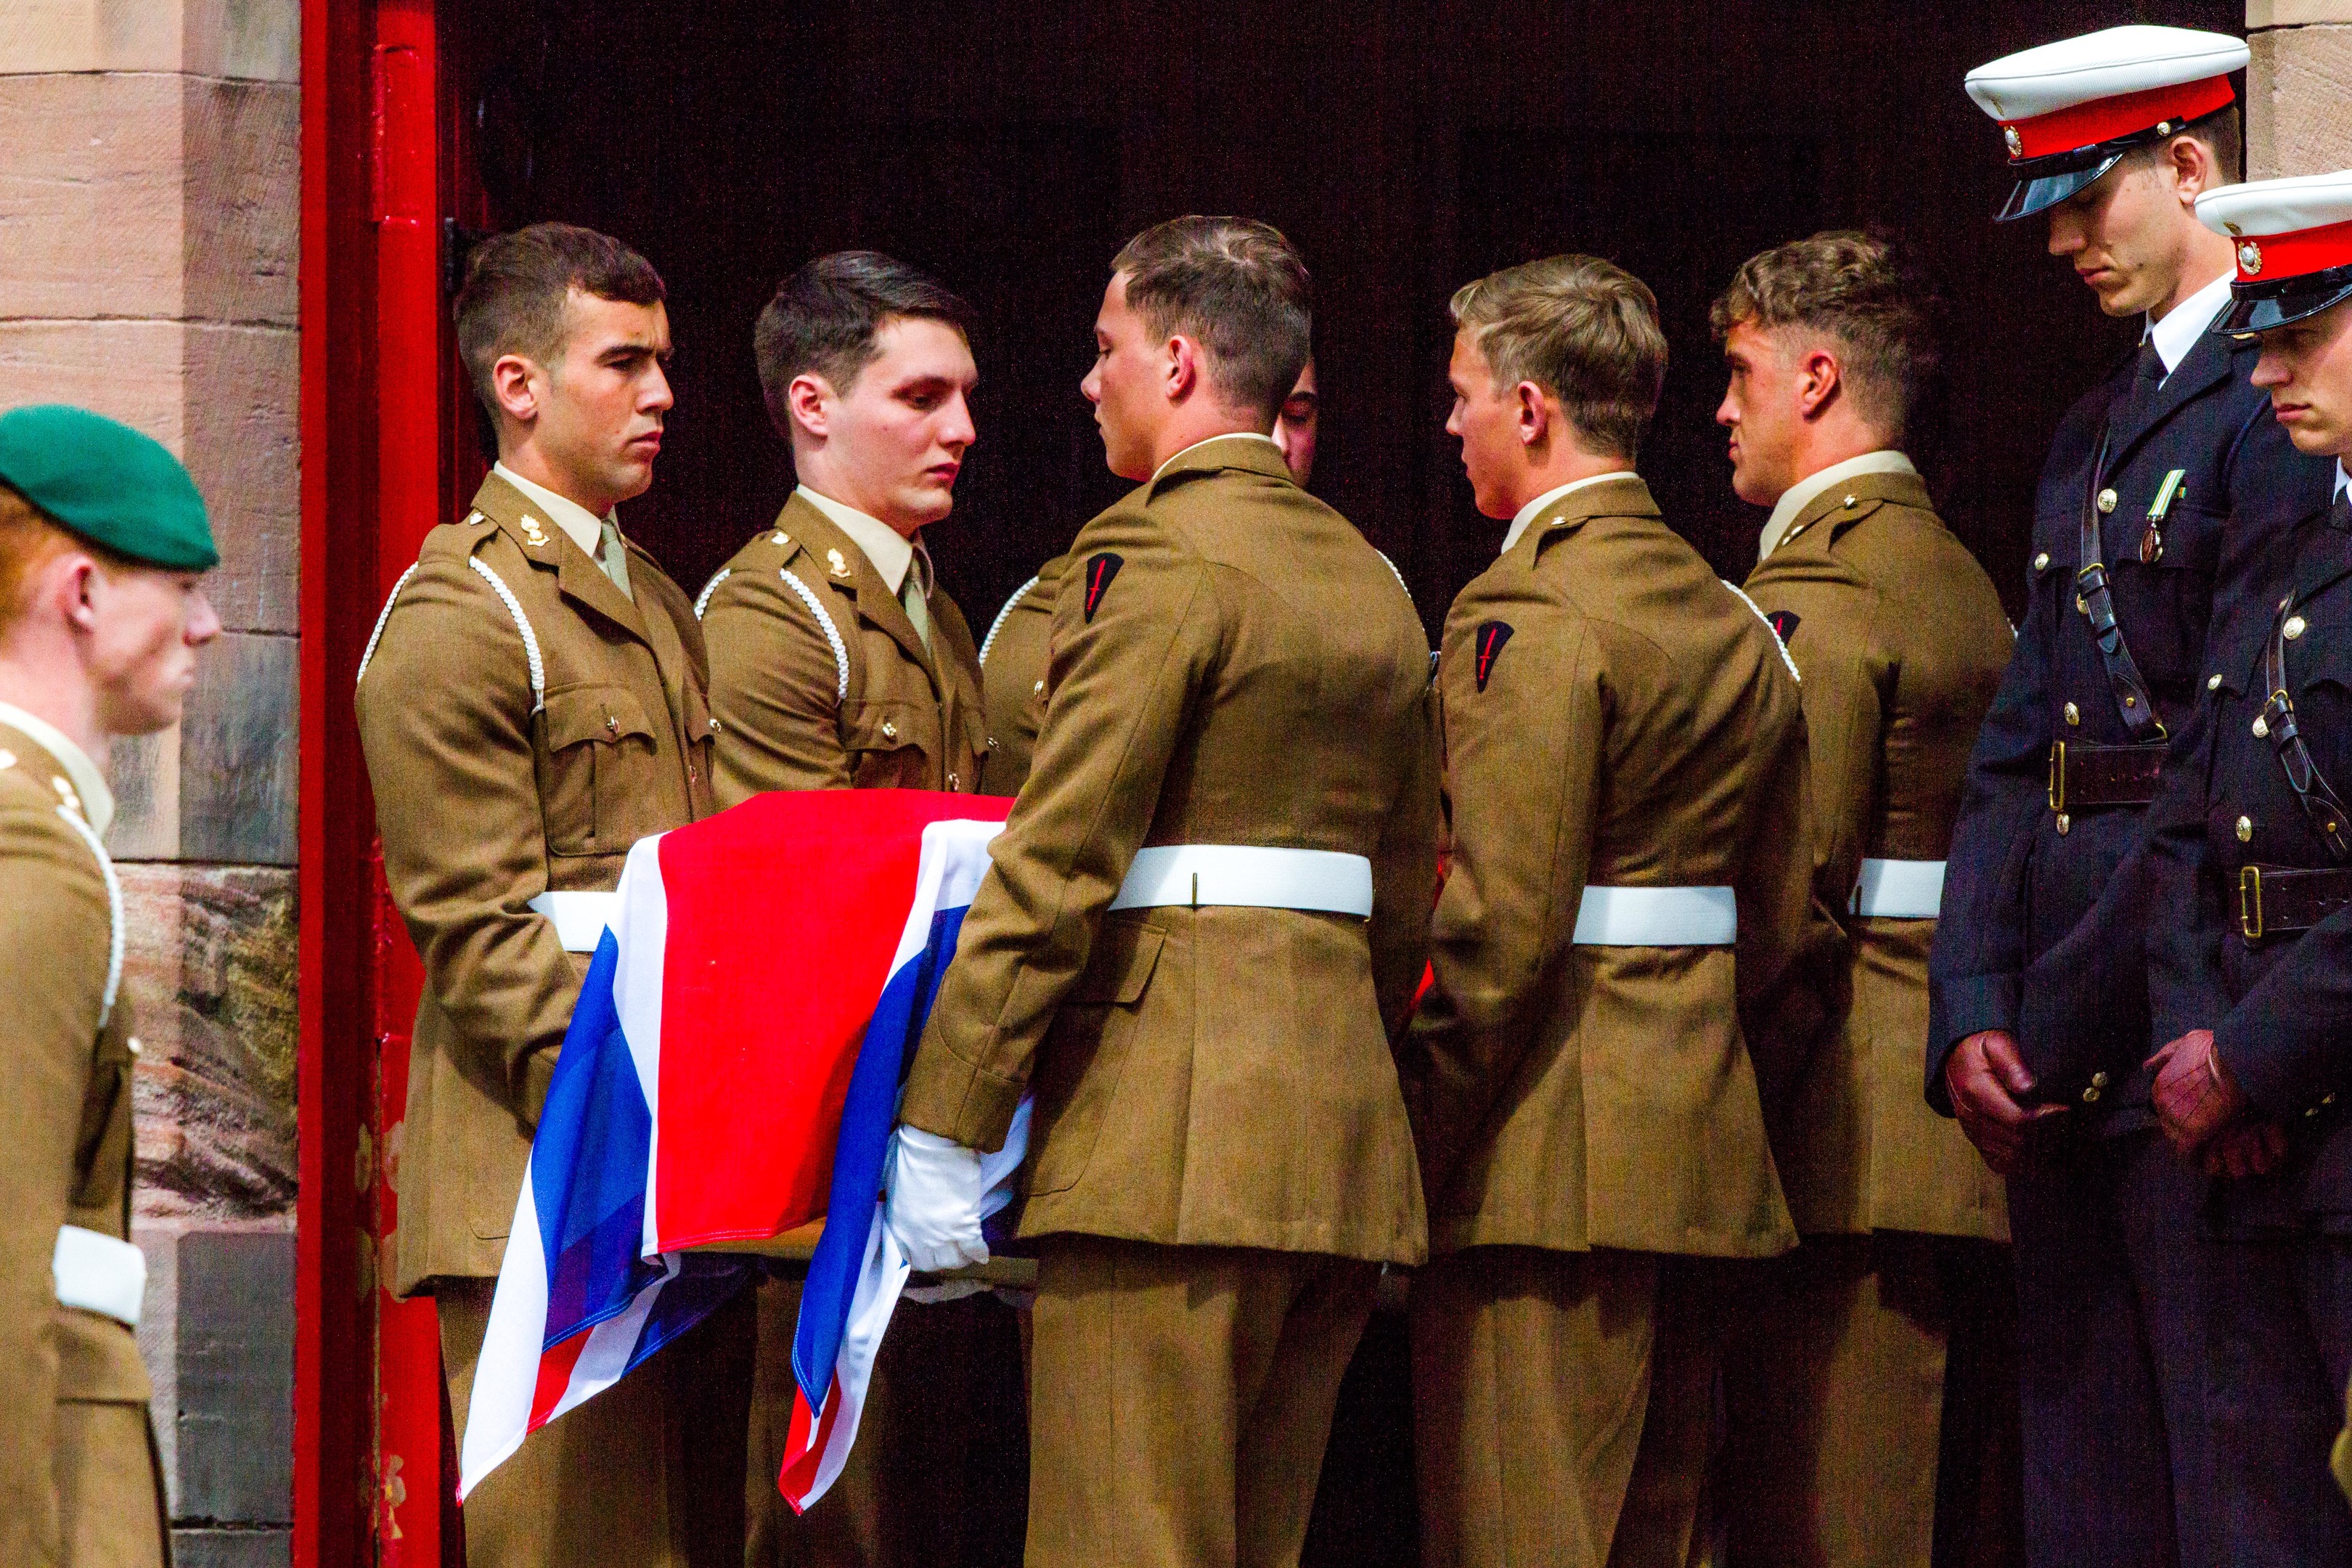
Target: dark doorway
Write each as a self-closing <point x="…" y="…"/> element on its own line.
<point x="1407" y="145"/>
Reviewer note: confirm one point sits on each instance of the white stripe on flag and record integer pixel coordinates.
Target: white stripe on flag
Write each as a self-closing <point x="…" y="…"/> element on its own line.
<point x="945" y="878"/>
<point x="641" y="931"/>
<point x="610" y="1343"/>
<point x="879" y="1283"/>
<point x="506" y="1374"/>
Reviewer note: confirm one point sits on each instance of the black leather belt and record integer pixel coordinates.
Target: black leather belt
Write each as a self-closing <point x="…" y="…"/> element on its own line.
<point x="2083" y="777"/>
<point x="2274" y="899"/>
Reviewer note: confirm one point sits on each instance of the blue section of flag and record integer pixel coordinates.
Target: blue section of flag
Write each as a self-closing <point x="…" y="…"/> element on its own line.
<point x="867" y="1118"/>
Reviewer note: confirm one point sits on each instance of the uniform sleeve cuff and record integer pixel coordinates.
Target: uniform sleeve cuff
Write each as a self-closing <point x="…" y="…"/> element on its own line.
<point x="951" y="1098"/>
<point x="1958" y="1008"/>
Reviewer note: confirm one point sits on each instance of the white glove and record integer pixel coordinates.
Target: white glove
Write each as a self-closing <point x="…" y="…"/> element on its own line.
<point x="933" y="1190"/>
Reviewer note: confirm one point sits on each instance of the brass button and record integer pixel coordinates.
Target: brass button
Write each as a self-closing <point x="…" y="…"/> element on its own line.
<point x="2073" y="714"/>
<point x="954" y="782"/>
<point x="2091" y="1096"/>
<point x="2245" y="830"/>
<point x="714" y="724"/>
<point x="611" y="725"/>
<point x="2313" y="1112"/>
<point x="2041" y="562"/>
<point x="2129" y="700"/>
<point x="2098" y="1080"/>
<point x="889" y="731"/>
<point x="1039" y="689"/>
<point x="2262" y="726"/>
<point x="2107" y="500"/>
<point x="991" y="743"/>
<point x="2292" y="629"/>
<point x="2213" y="681"/>
<point x="135" y="1047"/>
<point x="2064" y="822"/>
<point x="693" y="774"/>
<point x="1849" y="500"/>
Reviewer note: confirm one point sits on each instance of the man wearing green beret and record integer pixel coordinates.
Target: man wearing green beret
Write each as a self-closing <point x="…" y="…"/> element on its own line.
<point x="102" y="546"/>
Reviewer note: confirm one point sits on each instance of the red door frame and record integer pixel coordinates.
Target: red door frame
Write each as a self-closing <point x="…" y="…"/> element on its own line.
<point x="377" y="422"/>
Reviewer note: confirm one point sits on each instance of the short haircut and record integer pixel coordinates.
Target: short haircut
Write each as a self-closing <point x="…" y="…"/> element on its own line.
<point x="1584" y="330"/>
<point x="29" y="540"/>
<point x="1857" y="291"/>
<point x="1235" y="287"/>
<point x="826" y="318"/>
<point x="516" y="285"/>
<point x="2223" y="136"/>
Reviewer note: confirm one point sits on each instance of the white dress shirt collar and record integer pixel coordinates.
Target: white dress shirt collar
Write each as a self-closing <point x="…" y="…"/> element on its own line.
<point x="1805" y="491"/>
<point x="2343" y="479"/>
<point x="97" y="800"/>
<point x="1228" y="436"/>
<point x="1536" y="508"/>
<point x="2186" y="323"/>
<point x="891" y="553"/>
<point x="580" y="525"/>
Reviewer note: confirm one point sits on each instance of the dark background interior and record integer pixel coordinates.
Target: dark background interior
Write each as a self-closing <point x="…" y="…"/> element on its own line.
<point x="1010" y="146"/>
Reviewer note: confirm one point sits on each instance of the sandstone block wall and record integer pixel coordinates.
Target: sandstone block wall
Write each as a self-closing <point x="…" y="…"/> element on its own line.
<point x="150" y="214"/>
<point x="2299" y="88"/>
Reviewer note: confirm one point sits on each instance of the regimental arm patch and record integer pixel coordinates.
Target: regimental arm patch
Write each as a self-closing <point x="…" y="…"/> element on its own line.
<point x="1783" y="624"/>
<point x="1101" y="570"/>
<point x="1488" y="646"/>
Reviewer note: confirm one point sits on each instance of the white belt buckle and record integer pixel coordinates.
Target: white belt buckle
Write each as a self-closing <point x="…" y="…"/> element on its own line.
<point x="1899" y="891"/>
<point x="1608" y="916"/>
<point x="1247" y="876"/>
<point x="579" y="918"/>
<point x="99" y="1273"/>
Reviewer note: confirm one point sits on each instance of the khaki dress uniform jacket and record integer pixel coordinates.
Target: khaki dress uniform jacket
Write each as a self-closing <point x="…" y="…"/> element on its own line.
<point x="1834" y="1377"/>
<point x="1220" y="1153"/>
<point x="79" y="1483"/>
<point x="1614" y="715"/>
<point x="820" y="680"/>
<point x="1013" y="661"/>
<point x="506" y="764"/>
<point x="854" y="702"/>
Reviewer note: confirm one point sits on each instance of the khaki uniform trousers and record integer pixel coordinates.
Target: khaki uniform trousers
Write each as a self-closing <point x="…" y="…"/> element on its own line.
<point x="1565" y="1403"/>
<point x="1181" y="1397"/>
<point x="110" y="1486"/>
<point x="939" y="1477"/>
<point x="646" y="1474"/>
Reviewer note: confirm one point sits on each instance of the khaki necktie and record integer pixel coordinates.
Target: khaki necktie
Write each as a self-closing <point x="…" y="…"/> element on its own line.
<point x="914" y="592"/>
<point x="614" y="559"/>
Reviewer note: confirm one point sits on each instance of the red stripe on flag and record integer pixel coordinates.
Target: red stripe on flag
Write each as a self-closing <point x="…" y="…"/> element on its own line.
<point x="555" y="1376"/>
<point x="804" y="1451"/>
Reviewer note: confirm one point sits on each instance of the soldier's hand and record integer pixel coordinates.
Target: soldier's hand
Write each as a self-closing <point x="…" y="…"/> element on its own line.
<point x="2248" y="1149"/>
<point x="2194" y="1097"/>
<point x="1988" y="1080"/>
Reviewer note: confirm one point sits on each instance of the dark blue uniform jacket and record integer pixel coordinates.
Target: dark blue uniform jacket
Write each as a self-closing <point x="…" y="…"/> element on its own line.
<point x="2280" y="1007"/>
<point x="2042" y="932"/>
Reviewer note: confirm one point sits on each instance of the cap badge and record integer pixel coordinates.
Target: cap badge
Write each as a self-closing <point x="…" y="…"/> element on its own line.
<point x="2016" y="142"/>
<point x="835" y="564"/>
<point x="2250" y="257"/>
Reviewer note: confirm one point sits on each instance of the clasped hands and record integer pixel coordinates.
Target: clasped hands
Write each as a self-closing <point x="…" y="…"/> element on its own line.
<point x="2205" y="1115"/>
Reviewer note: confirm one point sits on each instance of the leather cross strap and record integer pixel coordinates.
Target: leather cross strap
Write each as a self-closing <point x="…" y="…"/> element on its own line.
<point x="2274" y="901"/>
<point x="2092" y="597"/>
<point x="2085" y="776"/>
<point x="2326" y="814"/>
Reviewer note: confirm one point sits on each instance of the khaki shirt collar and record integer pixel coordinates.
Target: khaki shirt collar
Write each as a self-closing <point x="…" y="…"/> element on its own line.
<point x="1236" y="450"/>
<point x="1543" y="503"/>
<point x="1805" y="491"/>
<point x="583" y="527"/>
<point x="890" y="552"/>
<point x="97" y="801"/>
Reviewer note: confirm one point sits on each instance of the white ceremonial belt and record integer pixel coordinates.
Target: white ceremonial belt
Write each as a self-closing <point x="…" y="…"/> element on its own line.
<point x="1657" y="917"/>
<point x="99" y="1274"/>
<point x="579" y="918"/>
<point x="1247" y="876"/>
<point x="1899" y="889"/>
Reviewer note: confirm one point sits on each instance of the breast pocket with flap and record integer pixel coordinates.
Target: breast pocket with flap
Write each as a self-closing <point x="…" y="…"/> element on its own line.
<point x="598" y="770"/>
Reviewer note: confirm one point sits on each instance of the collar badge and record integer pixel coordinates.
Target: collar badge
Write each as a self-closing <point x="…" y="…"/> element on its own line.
<point x="835" y="564"/>
<point x="530" y="531"/>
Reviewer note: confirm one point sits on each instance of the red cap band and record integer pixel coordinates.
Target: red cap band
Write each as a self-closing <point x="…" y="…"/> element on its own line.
<point x="2106" y="119"/>
<point x="2276" y="256"/>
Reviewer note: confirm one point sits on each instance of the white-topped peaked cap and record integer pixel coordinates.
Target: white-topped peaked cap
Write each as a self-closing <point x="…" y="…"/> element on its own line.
<point x="2294" y="245"/>
<point x="2071" y="109"/>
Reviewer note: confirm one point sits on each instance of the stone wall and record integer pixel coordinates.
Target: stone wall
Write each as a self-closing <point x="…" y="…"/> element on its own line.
<point x="150" y="211"/>
<point x="2299" y="88"/>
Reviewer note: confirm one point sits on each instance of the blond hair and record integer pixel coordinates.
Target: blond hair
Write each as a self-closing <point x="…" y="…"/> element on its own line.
<point x="1585" y="330"/>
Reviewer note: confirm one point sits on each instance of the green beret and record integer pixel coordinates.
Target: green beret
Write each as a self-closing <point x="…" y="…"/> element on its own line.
<point x="107" y="483"/>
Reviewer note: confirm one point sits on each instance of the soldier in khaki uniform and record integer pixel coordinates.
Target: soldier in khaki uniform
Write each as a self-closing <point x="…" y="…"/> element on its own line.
<point x="532" y="704"/>
<point x="1629" y="968"/>
<point x="1834" y="1377"/>
<point x="837" y="663"/>
<point x="102" y="539"/>
<point x="1206" y="917"/>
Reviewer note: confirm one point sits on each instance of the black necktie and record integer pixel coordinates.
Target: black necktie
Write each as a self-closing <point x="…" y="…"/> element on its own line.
<point x="2339" y="516"/>
<point x="2147" y="379"/>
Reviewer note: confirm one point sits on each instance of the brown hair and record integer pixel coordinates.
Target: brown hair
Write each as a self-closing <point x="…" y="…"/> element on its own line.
<point x="516" y="285"/>
<point x="2221" y="132"/>
<point x="1236" y="287"/>
<point x="824" y="318"/>
<point x="1855" y="290"/>
<point x="1584" y="330"/>
<point x="30" y="540"/>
